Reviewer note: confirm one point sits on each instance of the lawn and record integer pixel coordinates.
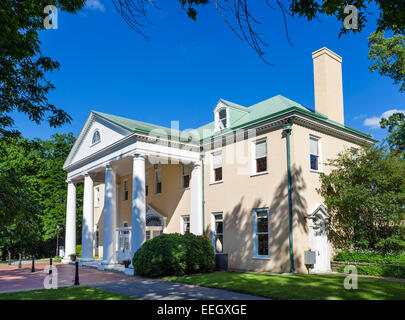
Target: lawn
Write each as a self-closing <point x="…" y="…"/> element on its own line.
<point x="308" y="287"/>
<point x="64" y="293"/>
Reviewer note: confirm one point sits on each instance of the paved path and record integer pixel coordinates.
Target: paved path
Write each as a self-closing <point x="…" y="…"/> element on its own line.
<point x="148" y="289"/>
<point x="14" y="279"/>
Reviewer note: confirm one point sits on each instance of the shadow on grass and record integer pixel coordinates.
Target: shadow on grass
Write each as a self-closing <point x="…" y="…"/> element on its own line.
<point x="302" y="287"/>
<point x="65" y="293"/>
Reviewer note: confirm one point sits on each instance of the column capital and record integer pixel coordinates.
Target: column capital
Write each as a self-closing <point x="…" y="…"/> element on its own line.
<point x="138" y="156"/>
<point x="70" y="181"/>
<point x="107" y="165"/>
<point x="196" y="165"/>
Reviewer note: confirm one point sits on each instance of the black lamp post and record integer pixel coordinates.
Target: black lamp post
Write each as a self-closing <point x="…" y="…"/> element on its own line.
<point x="57" y="240"/>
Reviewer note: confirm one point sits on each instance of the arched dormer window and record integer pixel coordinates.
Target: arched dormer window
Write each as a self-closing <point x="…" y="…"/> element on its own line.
<point x="222" y="117"/>
<point x="96" y="137"/>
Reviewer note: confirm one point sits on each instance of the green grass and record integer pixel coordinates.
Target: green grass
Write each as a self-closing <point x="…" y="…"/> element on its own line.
<point x="308" y="287"/>
<point x="64" y="293"/>
<point x="379" y="271"/>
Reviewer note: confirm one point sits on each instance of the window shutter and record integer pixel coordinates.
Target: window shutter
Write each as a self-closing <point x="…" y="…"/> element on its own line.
<point x="217" y="159"/>
<point x="158" y="176"/>
<point x="314" y="146"/>
<point x="261" y="149"/>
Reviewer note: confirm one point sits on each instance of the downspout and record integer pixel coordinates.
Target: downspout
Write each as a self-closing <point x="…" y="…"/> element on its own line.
<point x="203" y="194"/>
<point x="287" y="130"/>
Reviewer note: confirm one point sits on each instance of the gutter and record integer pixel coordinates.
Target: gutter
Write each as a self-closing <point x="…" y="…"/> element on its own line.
<point x="287" y="130"/>
<point x="203" y="194"/>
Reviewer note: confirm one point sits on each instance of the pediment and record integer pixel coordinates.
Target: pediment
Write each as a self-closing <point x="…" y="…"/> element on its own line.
<point x="109" y="133"/>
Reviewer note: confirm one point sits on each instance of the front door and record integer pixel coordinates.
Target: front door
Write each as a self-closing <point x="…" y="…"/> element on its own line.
<point x="320" y="242"/>
<point x="123" y="243"/>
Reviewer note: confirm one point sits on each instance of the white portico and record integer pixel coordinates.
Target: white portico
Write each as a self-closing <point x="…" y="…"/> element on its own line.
<point x="110" y="148"/>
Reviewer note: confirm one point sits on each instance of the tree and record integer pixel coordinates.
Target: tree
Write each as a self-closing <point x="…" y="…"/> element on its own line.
<point x="239" y="16"/>
<point x="365" y="194"/>
<point x="389" y="57"/>
<point x="33" y="194"/>
<point x="396" y="129"/>
<point x="23" y="85"/>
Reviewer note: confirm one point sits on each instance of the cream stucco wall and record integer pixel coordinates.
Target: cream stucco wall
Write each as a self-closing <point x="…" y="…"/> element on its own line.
<point x="240" y="192"/>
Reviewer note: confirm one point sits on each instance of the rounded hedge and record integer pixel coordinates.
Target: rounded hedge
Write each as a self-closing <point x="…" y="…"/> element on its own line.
<point x="174" y="254"/>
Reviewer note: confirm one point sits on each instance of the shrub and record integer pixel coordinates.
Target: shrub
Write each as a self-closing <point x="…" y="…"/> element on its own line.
<point x="380" y="271"/>
<point x="79" y="250"/>
<point x="370" y="257"/>
<point x="174" y="254"/>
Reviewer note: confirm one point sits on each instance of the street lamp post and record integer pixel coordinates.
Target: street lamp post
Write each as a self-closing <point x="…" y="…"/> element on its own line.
<point x="57" y="240"/>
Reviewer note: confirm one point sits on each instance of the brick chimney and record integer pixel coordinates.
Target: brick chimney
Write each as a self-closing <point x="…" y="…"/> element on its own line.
<point x="328" y="84"/>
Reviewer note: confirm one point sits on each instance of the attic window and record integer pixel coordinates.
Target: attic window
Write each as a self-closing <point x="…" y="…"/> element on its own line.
<point x="96" y="137"/>
<point x="222" y="118"/>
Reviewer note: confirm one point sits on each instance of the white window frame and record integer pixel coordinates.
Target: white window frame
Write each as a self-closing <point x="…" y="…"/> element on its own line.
<point x="182" y="222"/>
<point x="218" y="123"/>
<point x="253" y="157"/>
<point x="319" y="140"/>
<point x="156" y="182"/>
<point x="182" y="175"/>
<point x="214" y="233"/>
<point x="213" y="169"/>
<point x="96" y="197"/>
<point x="123" y="190"/>
<point x="98" y="141"/>
<point x="255" y="233"/>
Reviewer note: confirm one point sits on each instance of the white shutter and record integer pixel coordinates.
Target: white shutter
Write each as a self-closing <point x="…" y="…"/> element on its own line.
<point x="314" y="146"/>
<point x="217" y="160"/>
<point x="261" y="149"/>
<point x="158" y="176"/>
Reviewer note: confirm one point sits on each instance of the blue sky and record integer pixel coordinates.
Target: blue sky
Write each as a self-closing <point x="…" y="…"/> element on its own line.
<point x="187" y="66"/>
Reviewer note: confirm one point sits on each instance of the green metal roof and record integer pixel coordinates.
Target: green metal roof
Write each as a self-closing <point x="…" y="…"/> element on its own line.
<point x="262" y="111"/>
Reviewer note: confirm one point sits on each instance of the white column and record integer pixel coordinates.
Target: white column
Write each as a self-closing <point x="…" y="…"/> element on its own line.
<point x="109" y="217"/>
<point x="88" y="220"/>
<point x="70" y="236"/>
<point x="138" y="204"/>
<point x="196" y="209"/>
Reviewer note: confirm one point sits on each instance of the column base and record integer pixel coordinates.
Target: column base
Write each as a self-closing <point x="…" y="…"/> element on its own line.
<point x="86" y="259"/>
<point x="129" y="271"/>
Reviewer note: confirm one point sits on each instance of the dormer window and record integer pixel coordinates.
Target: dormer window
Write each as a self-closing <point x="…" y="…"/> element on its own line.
<point x="96" y="137"/>
<point x="222" y="119"/>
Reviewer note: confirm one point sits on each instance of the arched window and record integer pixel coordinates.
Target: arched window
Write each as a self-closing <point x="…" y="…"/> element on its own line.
<point x="96" y="137"/>
<point x="222" y="118"/>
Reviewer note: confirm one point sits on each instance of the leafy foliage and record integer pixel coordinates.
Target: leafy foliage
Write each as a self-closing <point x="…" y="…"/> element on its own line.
<point x="379" y="271"/>
<point x="365" y="194"/>
<point x="23" y="86"/>
<point x="396" y="129"/>
<point x="174" y="254"/>
<point x="389" y="56"/>
<point x="370" y="257"/>
<point x="33" y="194"/>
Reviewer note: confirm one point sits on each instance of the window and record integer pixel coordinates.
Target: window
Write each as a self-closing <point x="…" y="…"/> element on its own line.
<point x="96" y="237"/>
<point x="222" y="119"/>
<point x="96" y="137"/>
<point x="97" y="197"/>
<point x="185" y="176"/>
<point x="261" y="233"/>
<point x="314" y="150"/>
<point x="185" y="224"/>
<point x="125" y="190"/>
<point x="217" y="166"/>
<point x="158" y="181"/>
<point x="260" y="156"/>
<point x="146" y="186"/>
<point x="218" y="232"/>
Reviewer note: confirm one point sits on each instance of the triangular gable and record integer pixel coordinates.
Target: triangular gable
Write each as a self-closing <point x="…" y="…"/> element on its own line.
<point x="110" y="132"/>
